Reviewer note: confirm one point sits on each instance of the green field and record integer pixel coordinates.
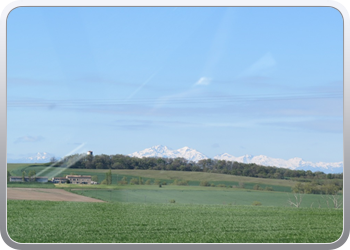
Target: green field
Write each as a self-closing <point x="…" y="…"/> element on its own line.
<point x="193" y="195"/>
<point x="144" y="213"/>
<point x="79" y="222"/>
<point x="30" y="185"/>
<point x="194" y="178"/>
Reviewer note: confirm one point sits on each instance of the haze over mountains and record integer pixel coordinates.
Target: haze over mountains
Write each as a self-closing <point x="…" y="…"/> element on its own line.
<point x="194" y="155"/>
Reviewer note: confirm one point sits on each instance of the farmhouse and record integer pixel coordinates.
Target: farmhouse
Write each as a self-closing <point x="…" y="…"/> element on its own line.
<point x="27" y="179"/>
<point x="79" y="179"/>
<point x="59" y="180"/>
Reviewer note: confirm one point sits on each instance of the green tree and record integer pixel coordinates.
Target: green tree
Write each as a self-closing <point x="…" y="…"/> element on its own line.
<point x="134" y="181"/>
<point x="99" y="165"/>
<point x="257" y="187"/>
<point x="109" y="177"/>
<point x="204" y="183"/>
<point x="23" y="176"/>
<point x="298" y="188"/>
<point x="330" y="189"/>
<point x="31" y="175"/>
<point x="8" y="176"/>
<point x="124" y="181"/>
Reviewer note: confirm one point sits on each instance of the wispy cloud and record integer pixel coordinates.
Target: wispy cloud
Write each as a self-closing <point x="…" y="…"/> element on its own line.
<point x="203" y="81"/>
<point x="29" y="138"/>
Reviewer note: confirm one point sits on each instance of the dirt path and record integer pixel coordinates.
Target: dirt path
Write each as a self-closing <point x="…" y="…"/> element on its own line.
<point x="46" y="194"/>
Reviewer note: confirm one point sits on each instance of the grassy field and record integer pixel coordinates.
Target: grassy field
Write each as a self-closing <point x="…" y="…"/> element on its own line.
<point x="79" y="222"/>
<point x="193" y="195"/>
<point x="144" y="213"/>
<point x="194" y="178"/>
<point x="30" y="185"/>
<point x="16" y="168"/>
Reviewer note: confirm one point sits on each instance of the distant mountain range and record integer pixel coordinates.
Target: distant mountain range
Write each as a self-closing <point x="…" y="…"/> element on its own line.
<point x="194" y="155"/>
<point x="163" y="151"/>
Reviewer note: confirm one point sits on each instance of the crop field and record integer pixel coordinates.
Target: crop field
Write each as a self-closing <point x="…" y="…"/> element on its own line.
<point x="17" y="167"/>
<point x="189" y="195"/>
<point x="194" y="178"/>
<point x="171" y="213"/>
<point x="30" y="185"/>
<point x="74" y="222"/>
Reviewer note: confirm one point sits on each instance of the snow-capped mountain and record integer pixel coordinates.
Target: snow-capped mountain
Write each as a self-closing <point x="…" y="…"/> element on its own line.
<point x="40" y="157"/>
<point x="293" y="163"/>
<point x="163" y="151"/>
<point x="193" y="155"/>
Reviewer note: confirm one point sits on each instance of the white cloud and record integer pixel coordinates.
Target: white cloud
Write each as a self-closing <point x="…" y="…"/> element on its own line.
<point x="203" y="81"/>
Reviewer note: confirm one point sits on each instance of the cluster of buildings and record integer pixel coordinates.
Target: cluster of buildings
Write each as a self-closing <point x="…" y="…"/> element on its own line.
<point x="26" y="178"/>
<point x="74" y="179"/>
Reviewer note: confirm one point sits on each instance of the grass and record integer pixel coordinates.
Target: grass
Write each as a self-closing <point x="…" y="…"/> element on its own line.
<point x="30" y="185"/>
<point x="79" y="222"/>
<point x="194" y="178"/>
<point x="201" y="195"/>
<point x="144" y="214"/>
<point x="17" y="168"/>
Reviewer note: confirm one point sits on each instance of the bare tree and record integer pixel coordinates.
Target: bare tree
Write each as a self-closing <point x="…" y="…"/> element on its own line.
<point x="335" y="199"/>
<point x="298" y="199"/>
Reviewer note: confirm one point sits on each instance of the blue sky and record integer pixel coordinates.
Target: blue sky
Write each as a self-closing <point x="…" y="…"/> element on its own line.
<point x="117" y="80"/>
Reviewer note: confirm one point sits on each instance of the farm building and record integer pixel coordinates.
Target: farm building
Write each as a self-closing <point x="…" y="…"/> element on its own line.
<point x="59" y="180"/>
<point x="89" y="153"/>
<point x="27" y="179"/>
<point x="79" y="179"/>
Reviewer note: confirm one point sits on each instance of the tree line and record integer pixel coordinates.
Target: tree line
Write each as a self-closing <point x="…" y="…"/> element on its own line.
<point x="119" y="161"/>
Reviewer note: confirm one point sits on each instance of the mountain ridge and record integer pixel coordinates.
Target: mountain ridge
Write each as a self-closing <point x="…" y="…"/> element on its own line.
<point x="190" y="154"/>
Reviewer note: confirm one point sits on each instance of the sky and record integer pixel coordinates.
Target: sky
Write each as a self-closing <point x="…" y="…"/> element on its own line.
<point x="237" y="80"/>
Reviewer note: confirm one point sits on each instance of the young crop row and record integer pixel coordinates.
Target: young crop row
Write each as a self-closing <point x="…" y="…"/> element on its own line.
<point x="78" y="222"/>
<point x="189" y="195"/>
